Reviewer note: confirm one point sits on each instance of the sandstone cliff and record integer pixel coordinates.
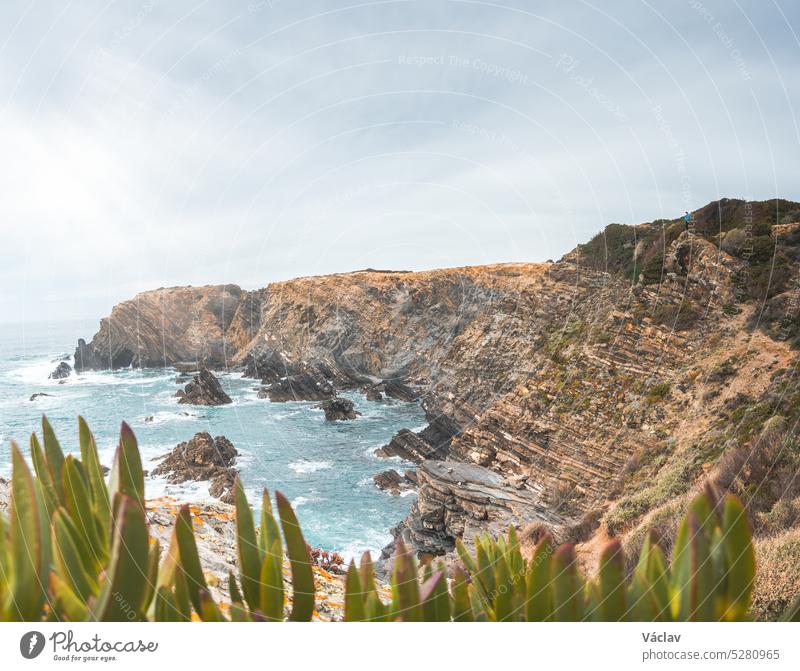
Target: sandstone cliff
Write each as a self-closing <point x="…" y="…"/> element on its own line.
<point x="590" y="394"/>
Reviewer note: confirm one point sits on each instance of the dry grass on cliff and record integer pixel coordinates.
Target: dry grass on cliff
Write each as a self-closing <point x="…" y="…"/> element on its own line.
<point x="778" y="574"/>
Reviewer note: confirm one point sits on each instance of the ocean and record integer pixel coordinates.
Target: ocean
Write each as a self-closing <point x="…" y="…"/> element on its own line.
<point x="325" y="468"/>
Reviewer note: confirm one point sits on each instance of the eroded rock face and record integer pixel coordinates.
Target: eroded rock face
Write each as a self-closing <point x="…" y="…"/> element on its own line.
<point x="398" y="390"/>
<point x="458" y="500"/>
<point x="410" y="446"/>
<point x="338" y="409"/>
<point x="268" y="365"/>
<point x="86" y="359"/>
<point x="204" y="389"/>
<point x="391" y="481"/>
<point x="159" y="328"/>
<point x="203" y="458"/>
<point x="300" y="387"/>
<point x="62" y="371"/>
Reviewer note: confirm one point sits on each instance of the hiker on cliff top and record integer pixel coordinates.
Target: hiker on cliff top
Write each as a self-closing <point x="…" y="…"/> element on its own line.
<point x="687" y="218"/>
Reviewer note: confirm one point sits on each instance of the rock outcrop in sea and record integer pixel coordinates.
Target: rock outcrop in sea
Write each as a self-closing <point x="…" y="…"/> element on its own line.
<point x="393" y="482"/>
<point x="306" y="386"/>
<point x="204" y="389"/>
<point x="202" y="458"/>
<point x="61" y="372"/>
<point x="339" y="409"/>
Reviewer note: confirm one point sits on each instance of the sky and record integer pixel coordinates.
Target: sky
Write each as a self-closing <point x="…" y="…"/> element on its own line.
<point x="150" y="143"/>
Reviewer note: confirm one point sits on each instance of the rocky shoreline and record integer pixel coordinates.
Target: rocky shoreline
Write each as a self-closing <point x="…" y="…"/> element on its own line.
<point x="544" y="385"/>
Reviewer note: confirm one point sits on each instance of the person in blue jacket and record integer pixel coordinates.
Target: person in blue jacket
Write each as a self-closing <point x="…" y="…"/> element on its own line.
<point x="687" y="218"/>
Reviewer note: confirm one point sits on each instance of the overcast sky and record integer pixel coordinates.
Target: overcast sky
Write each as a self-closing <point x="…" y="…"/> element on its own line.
<point x="150" y="143"/>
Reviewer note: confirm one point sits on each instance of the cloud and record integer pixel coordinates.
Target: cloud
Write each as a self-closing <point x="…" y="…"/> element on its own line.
<point x="172" y="143"/>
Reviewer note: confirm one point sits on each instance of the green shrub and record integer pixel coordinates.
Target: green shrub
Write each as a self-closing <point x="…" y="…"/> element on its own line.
<point x="658" y="392"/>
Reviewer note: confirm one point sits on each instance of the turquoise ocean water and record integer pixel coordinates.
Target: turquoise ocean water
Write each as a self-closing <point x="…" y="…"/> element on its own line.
<point x="325" y="468"/>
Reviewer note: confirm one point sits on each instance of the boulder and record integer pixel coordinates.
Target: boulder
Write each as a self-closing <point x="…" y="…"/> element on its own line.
<point x="204" y="389"/>
<point x="203" y="458"/>
<point x="391" y="481"/>
<point x="300" y="387"/>
<point x="373" y="394"/>
<point x="62" y="371"/>
<point x="339" y="409"/>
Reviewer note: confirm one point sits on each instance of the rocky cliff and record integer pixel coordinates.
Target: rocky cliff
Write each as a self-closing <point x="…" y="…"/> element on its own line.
<point x="198" y="325"/>
<point x="585" y="394"/>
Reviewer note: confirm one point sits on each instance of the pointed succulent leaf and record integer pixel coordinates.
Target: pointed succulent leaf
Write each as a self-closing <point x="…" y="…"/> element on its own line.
<point x="405" y="588"/>
<point x="462" y="609"/>
<point x="74" y="567"/>
<point x="121" y="594"/>
<point x="271" y="591"/>
<point x="692" y="573"/>
<point x="154" y="557"/>
<point x="182" y="600"/>
<point x="50" y="494"/>
<point x="54" y="457"/>
<point x="250" y="554"/>
<point x="435" y="599"/>
<point x="94" y="472"/>
<point x="189" y="559"/>
<point x="503" y="604"/>
<point x="539" y="596"/>
<point x="354" y="596"/>
<point x="567" y="588"/>
<point x="297" y="550"/>
<point x="740" y="556"/>
<point x="78" y="503"/>
<point x="233" y="589"/>
<point x="611" y="583"/>
<point x="269" y="527"/>
<point x="366" y="573"/>
<point x="127" y="477"/>
<point x="26" y="593"/>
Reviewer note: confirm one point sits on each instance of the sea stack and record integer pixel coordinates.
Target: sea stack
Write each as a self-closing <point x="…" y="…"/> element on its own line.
<point x="204" y="389"/>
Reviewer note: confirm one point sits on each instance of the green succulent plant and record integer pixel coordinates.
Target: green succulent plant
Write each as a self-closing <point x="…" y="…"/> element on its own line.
<point x="76" y="548"/>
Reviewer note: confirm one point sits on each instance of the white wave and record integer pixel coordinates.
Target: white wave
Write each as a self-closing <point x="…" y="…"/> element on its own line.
<point x="304" y="466"/>
<point x="302" y="500"/>
<point x="373" y="543"/>
<point x="186" y="492"/>
<point x="34" y="372"/>
<point x="126" y="377"/>
<point x="164" y="416"/>
<point x="286" y="415"/>
<point x="408" y="492"/>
